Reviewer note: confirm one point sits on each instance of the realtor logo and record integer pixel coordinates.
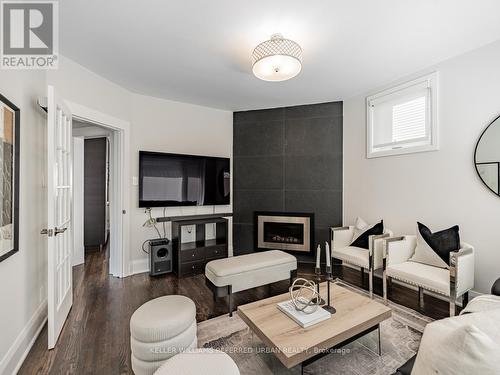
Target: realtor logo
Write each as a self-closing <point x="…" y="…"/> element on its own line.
<point x="29" y="35"/>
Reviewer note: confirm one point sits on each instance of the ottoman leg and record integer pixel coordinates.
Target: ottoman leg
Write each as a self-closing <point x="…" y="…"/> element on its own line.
<point x="293" y="276"/>
<point x="230" y="295"/>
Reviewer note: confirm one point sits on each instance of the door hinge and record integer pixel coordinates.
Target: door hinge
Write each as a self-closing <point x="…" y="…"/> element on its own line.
<point x="48" y="232"/>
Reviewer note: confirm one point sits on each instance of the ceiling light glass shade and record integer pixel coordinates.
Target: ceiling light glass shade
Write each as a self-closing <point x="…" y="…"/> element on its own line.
<point x="277" y="59"/>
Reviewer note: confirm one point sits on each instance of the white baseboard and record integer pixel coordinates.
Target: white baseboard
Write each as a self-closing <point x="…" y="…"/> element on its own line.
<point x="17" y="353"/>
<point x="139" y="266"/>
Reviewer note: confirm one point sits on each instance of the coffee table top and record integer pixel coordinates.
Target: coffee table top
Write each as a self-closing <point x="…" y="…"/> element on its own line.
<point x="293" y="344"/>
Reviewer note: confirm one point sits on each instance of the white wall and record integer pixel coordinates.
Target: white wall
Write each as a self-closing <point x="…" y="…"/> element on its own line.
<point x="77" y="84"/>
<point x="23" y="276"/>
<point x="439" y="188"/>
<point x="167" y="126"/>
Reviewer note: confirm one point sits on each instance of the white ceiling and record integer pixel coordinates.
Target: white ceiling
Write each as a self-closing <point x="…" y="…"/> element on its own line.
<point x="198" y="51"/>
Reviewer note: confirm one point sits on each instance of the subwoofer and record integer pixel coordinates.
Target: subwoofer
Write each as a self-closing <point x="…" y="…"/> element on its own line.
<point x="160" y="257"/>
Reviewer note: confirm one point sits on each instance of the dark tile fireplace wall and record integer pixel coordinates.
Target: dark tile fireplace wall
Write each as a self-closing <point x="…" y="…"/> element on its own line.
<point x="289" y="160"/>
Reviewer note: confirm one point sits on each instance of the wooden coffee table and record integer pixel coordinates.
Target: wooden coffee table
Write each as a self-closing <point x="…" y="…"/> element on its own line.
<point x="356" y="316"/>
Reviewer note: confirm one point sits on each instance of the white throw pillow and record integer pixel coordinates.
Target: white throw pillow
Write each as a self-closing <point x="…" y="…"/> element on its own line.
<point x="359" y="228"/>
<point x="425" y="254"/>
<point x="466" y="344"/>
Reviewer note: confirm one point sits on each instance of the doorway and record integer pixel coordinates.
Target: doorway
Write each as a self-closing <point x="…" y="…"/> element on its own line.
<point x="92" y="165"/>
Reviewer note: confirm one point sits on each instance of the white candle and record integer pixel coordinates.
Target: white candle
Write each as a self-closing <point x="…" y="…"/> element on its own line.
<point x="328" y="259"/>
<point x="318" y="256"/>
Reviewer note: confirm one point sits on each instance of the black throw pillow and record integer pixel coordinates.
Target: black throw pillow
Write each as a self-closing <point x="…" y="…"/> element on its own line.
<point x="442" y="242"/>
<point x="363" y="240"/>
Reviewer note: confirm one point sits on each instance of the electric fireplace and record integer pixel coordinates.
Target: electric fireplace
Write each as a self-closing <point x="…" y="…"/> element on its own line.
<point x="284" y="231"/>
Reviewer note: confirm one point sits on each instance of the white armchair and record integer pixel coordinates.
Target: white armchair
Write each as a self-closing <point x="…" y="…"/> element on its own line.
<point x="451" y="282"/>
<point x="370" y="259"/>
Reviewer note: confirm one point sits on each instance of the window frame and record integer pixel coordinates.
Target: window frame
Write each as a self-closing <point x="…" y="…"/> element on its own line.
<point x="405" y="147"/>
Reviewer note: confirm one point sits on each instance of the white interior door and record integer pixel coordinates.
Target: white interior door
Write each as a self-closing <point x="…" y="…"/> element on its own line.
<point x="60" y="205"/>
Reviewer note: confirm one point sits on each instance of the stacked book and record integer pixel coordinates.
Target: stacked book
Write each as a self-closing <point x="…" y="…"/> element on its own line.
<point x="303" y="319"/>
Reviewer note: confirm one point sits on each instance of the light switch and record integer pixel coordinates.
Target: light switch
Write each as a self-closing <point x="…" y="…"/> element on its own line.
<point x="135" y="181"/>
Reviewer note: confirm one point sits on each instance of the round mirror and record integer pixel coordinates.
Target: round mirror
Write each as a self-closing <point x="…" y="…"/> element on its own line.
<point x="487" y="156"/>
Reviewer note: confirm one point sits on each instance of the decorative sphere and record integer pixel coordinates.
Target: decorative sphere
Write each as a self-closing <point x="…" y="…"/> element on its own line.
<point x="304" y="295"/>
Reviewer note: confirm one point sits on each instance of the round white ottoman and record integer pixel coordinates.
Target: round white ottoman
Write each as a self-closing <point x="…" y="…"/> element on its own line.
<point x="199" y="361"/>
<point x="160" y="329"/>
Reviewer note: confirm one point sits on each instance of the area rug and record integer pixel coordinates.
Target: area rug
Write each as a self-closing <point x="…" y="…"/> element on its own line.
<point x="401" y="336"/>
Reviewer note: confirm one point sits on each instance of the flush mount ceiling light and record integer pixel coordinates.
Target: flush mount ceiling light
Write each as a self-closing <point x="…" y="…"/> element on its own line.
<point x="277" y="59"/>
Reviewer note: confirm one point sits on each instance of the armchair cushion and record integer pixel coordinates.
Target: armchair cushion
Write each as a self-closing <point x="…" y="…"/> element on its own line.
<point x="363" y="240"/>
<point x="434" y="248"/>
<point x="431" y="278"/>
<point x="353" y="255"/>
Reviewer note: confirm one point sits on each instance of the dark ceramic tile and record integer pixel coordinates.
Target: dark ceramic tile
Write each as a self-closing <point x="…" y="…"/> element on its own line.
<point x="258" y="172"/>
<point x="326" y="205"/>
<point x="242" y="239"/>
<point x="259" y="115"/>
<point x="322" y="235"/>
<point x="258" y="138"/>
<point x="315" y="110"/>
<point x="314" y="136"/>
<point x="246" y="202"/>
<point x="313" y="172"/>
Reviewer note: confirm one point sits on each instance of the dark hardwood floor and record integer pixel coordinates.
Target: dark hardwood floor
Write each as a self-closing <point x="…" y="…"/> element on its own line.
<point x="95" y="338"/>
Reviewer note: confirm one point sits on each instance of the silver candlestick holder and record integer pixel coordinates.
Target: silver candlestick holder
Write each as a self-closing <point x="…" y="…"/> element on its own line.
<point x="317" y="270"/>
<point x="329" y="279"/>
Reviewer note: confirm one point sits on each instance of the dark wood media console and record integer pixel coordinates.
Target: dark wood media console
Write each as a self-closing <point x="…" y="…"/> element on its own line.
<point x="190" y="258"/>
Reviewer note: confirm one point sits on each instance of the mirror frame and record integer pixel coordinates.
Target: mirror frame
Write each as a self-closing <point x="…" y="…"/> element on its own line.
<point x="476" y="162"/>
<point x="15" y="176"/>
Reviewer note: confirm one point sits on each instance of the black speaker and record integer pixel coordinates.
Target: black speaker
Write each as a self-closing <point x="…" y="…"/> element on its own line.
<point x="160" y="257"/>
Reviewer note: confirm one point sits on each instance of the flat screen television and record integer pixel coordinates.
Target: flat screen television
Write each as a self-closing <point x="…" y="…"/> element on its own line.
<point x="167" y="180"/>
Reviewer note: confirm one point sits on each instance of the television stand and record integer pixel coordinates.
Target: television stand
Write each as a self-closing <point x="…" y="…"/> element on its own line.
<point x="190" y="258"/>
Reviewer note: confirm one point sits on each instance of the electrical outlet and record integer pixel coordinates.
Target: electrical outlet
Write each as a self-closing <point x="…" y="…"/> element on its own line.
<point x="135" y="181"/>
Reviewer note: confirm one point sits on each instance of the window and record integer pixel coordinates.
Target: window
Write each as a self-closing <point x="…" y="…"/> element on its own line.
<point x="403" y="119"/>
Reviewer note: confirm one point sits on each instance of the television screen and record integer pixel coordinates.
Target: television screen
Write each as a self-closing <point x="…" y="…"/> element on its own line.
<point x="183" y="180"/>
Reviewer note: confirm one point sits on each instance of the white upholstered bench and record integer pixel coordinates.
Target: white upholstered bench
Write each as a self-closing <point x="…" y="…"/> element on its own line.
<point x="230" y="275"/>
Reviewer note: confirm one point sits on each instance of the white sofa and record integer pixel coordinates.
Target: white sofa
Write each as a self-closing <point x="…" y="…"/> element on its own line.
<point x="230" y="275"/>
<point x="465" y="344"/>
<point x="370" y="259"/>
<point x="451" y="282"/>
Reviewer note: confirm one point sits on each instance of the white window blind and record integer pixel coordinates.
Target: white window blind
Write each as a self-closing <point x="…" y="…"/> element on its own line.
<point x="403" y="119"/>
<point x="408" y="120"/>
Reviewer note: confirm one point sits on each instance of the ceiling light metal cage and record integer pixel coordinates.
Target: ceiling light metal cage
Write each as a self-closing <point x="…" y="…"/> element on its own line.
<point x="277" y="45"/>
